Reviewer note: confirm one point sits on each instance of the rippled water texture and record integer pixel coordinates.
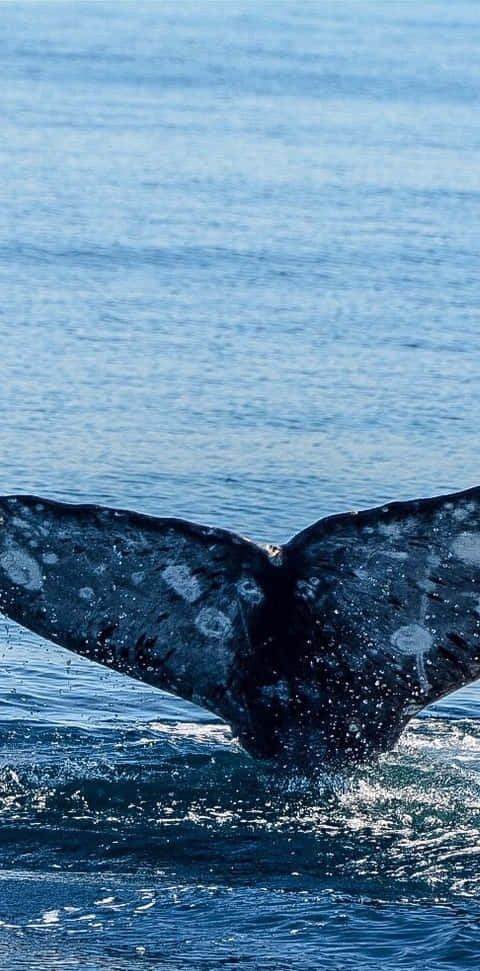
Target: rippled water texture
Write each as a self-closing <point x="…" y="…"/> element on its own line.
<point x="239" y="284"/>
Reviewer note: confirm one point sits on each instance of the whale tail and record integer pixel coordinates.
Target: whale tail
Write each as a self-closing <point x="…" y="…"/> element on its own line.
<point x="320" y="650"/>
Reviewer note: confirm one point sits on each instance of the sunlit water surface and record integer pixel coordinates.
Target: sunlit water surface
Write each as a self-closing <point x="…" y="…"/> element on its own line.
<point x="239" y="284"/>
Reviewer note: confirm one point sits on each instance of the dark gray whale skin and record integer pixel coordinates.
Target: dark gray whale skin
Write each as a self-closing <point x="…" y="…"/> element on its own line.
<point x="317" y="652"/>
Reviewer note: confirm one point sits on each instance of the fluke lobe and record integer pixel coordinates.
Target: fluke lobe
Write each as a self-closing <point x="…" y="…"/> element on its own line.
<point x="317" y="651"/>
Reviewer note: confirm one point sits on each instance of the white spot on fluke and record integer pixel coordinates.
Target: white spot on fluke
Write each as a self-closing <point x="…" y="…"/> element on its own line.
<point x="414" y="641"/>
<point x="308" y="588"/>
<point x="464" y="510"/>
<point x="279" y="691"/>
<point x="179" y="578"/>
<point x="466" y="547"/>
<point x="22" y="569"/>
<point x="21" y="524"/>
<point x="86" y="593"/>
<point x="475" y="597"/>
<point x="391" y="529"/>
<point x="213" y="623"/>
<point x="249" y="591"/>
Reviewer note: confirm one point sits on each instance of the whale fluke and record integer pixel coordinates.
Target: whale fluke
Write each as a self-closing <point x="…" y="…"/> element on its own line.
<point x="317" y="651"/>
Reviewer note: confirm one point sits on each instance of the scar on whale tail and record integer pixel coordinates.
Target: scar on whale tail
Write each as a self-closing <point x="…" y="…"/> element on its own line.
<point x="320" y="650"/>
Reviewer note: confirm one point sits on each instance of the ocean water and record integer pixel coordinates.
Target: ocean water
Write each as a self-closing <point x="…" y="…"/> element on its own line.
<point x="238" y="284"/>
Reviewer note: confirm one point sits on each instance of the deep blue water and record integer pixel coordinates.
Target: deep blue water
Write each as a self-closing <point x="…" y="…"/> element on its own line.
<point x="238" y="284"/>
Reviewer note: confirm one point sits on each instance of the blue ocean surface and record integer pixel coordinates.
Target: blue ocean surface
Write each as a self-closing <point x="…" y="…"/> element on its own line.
<point x="239" y="284"/>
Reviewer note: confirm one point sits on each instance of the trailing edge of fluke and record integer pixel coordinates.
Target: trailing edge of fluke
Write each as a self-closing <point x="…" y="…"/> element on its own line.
<point x="316" y="652"/>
